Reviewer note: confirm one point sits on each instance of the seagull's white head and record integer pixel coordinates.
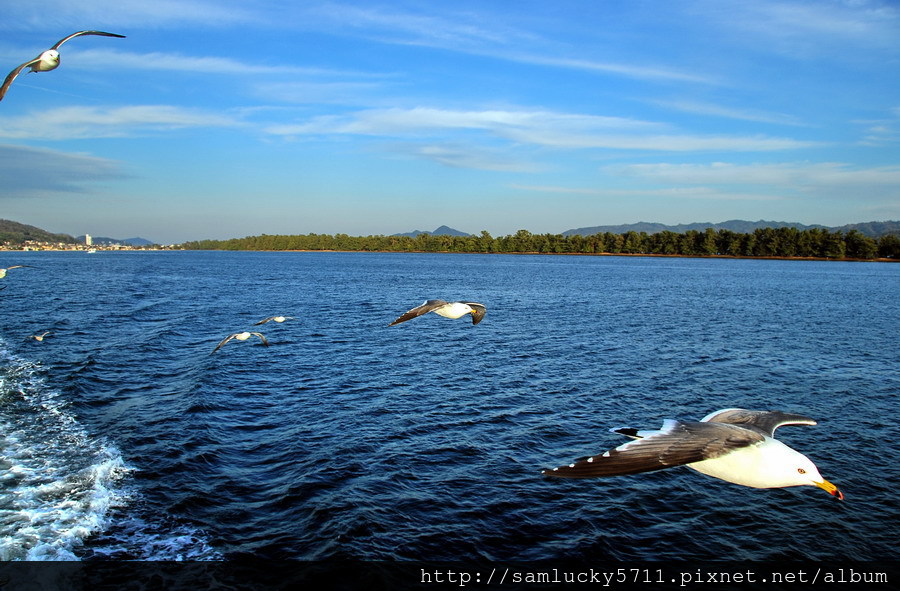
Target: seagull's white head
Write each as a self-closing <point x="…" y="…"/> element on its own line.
<point x="798" y="470"/>
<point x="242" y="336"/>
<point x="49" y="61"/>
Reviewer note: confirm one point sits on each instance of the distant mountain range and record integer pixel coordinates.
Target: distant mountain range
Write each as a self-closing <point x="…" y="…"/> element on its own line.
<point x="441" y="231"/>
<point x="871" y="229"/>
<point x="103" y="240"/>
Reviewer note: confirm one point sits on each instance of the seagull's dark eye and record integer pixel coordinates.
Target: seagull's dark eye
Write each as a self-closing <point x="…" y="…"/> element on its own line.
<point x="801" y="470"/>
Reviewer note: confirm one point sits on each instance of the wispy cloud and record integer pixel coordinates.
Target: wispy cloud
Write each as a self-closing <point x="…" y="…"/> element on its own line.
<point x="473" y="34"/>
<point x="743" y="114"/>
<point x="97" y="122"/>
<point x="674" y="193"/>
<point x="128" y="13"/>
<point x="793" y="175"/>
<point x="542" y="128"/>
<point x="426" y="119"/>
<point x="458" y="155"/>
<point x="60" y="172"/>
<point x="101" y="58"/>
<point x="881" y="132"/>
<point x="803" y="29"/>
<point x="638" y="71"/>
<point x="465" y="31"/>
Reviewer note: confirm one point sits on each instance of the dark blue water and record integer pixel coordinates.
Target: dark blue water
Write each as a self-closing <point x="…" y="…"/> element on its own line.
<point x="123" y="437"/>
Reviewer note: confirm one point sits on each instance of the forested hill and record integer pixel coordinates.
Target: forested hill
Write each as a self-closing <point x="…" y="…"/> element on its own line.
<point x="17" y="233"/>
<point x="764" y="242"/>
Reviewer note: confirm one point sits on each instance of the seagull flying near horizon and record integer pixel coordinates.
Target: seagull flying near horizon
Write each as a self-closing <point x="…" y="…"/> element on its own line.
<point x="48" y="60"/>
<point x="735" y="445"/>
<point x="242" y="336"/>
<point x="445" y="309"/>
<point x="40" y="337"/>
<point x="278" y="319"/>
<point x="3" y="271"/>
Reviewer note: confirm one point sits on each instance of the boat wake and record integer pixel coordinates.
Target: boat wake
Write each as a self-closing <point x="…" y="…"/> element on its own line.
<point x="60" y="486"/>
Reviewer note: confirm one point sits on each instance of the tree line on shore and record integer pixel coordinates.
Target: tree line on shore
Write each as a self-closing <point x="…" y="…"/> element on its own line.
<point x="764" y="242"/>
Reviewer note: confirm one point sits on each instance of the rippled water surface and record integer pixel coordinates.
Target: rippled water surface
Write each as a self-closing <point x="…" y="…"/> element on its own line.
<point x="123" y="437"/>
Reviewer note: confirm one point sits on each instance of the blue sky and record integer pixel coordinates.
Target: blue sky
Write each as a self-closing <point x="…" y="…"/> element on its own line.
<point x="219" y="119"/>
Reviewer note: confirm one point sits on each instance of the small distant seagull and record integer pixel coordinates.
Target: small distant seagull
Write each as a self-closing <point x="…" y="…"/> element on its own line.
<point x="445" y="309"/>
<point x="3" y="271"/>
<point x="39" y="337"/>
<point x="242" y="336"/>
<point x="734" y="445"/>
<point x="278" y="319"/>
<point x="48" y="60"/>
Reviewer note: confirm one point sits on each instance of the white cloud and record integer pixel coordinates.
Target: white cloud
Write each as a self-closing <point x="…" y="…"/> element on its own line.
<point x="626" y="70"/>
<point x="807" y="29"/>
<point x="675" y="193"/>
<point x="481" y="34"/>
<point x="128" y="13"/>
<point x="881" y="132"/>
<point x="542" y="128"/>
<point x="94" y="122"/>
<point x="471" y="157"/>
<point x="743" y="114"/>
<point x="464" y="31"/>
<point x="101" y="58"/>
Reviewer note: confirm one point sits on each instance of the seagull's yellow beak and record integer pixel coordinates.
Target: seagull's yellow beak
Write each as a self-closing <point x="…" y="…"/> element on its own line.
<point x="830" y="489"/>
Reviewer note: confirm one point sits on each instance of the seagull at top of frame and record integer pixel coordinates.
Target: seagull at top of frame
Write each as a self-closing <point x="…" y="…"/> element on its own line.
<point x="48" y="60"/>
<point x="278" y="319"/>
<point x="445" y="309"/>
<point x="242" y="336"/>
<point x="734" y="444"/>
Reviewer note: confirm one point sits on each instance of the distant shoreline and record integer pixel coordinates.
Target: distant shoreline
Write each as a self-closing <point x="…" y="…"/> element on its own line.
<point x="601" y="254"/>
<point x="583" y="254"/>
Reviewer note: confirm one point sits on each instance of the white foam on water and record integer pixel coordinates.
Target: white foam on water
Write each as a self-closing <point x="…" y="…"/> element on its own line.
<point x="58" y="483"/>
<point x="60" y="486"/>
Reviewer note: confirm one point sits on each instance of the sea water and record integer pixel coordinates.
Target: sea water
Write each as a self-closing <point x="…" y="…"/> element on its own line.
<point x="124" y="436"/>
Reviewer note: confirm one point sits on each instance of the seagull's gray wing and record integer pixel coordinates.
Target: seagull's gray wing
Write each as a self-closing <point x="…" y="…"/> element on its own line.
<point x="762" y="421"/>
<point x="79" y="33"/>
<point x="225" y="340"/>
<point x="675" y="444"/>
<point x="263" y="321"/>
<point x="478" y="311"/>
<point x="12" y="76"/>
<point x="264" y="340"/>
<point x="425" y="308"/>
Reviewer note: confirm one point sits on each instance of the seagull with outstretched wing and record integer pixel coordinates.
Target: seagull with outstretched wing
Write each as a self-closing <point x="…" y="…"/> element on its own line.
<point x="445" y="309"/>
<point x="735" y="445"/>
<point x="48" y="60"/>
<point x="242" y="336"/>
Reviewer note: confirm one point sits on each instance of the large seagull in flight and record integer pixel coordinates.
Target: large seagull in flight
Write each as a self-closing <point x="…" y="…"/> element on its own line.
<point x="734" y="444"/>
<point x="48" y="60"/>
<point x="445" y="309"/>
